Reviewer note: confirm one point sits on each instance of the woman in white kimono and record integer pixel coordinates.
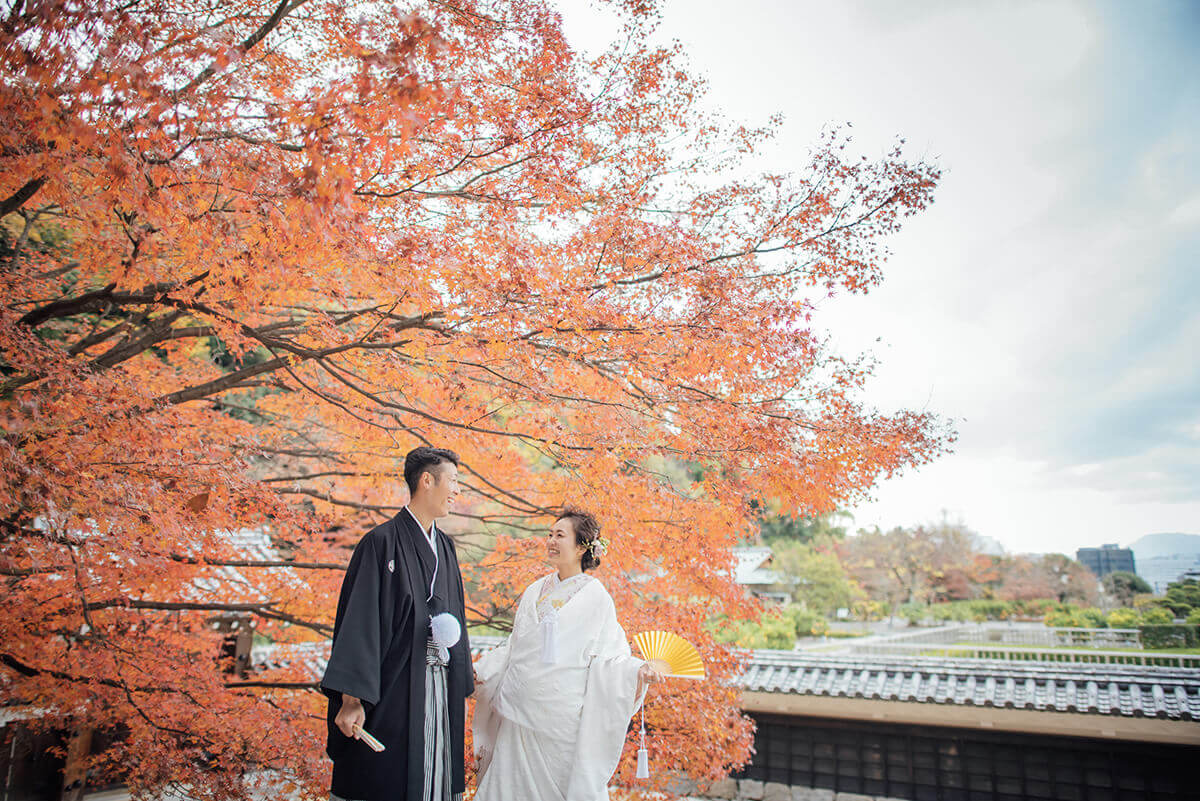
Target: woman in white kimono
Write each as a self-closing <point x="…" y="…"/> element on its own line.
<point x="554" y="701"/>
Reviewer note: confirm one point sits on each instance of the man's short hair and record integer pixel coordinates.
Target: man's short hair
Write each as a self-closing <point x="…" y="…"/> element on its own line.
<point x="423" y="460"/>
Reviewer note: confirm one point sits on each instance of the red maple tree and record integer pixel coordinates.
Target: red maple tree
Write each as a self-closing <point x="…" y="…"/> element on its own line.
<point x="254" y="251"/>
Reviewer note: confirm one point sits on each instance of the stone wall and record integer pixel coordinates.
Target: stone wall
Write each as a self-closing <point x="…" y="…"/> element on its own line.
<point x="751" y="790"/>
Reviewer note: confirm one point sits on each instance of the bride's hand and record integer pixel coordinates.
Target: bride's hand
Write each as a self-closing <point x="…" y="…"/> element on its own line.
<point x="647" y="674"/>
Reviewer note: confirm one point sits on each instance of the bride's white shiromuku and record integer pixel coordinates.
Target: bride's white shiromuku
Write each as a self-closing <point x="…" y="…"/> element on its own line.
<point x="554" y="701"/>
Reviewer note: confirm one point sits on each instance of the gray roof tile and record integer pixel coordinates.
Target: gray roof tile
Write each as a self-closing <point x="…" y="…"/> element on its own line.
<point x="1098" y="689"/>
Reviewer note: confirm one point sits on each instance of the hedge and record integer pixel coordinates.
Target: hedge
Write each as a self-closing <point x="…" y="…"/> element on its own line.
<point x="1170" y="636"/>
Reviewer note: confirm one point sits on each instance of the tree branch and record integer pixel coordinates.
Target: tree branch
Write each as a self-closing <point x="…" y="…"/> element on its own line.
<point x="19" y="198"/>
<point x="282" y="10"/>
<point x="192" y="560"/>
<point x="261" y="610"/>
<point x="276" y="685"/>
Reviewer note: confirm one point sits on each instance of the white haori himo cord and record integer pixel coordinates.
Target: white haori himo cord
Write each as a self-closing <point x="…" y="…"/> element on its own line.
<point x="446" y="633"/>
<point x="643" y="765"/>
<point x="550" y="638"/>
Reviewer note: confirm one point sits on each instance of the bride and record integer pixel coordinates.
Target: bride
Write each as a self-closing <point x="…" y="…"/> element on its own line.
<point x="553" y="702"/>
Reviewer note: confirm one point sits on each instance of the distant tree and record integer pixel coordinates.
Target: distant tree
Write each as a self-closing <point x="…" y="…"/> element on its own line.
<point x="1052" y="576"/>
<point x="1123" y="586"/>
<point x="775" y="527"/>
<point x="986" y="573"/>
<point x="817" y="577"/>
<point x="1071" y="581"/>
<point x="956" y="584"/>
<point x="918" y="565"/>
<point x="805" y="621"/>
<point x="1023" y="579"/>
<point x="1182" y="597"/>
<point x="893" y="566"/>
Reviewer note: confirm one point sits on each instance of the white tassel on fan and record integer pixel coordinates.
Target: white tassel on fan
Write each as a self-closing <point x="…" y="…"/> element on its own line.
<point x="643" y="765"/>
<point x="550" y="638"/>
<point x="446" y="633"/>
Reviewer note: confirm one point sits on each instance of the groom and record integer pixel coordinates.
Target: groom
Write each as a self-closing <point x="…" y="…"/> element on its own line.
<point x="387" y="674"/>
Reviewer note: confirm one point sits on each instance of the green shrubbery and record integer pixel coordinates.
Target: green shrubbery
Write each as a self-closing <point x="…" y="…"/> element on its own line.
<point x="778" y="628"/>
<point x="983" y="609"/>
<point x="914" y="613"/>
<point x="1124" y="619"/>
<point x="805" y="622"/>
<point x="1157" y="616"/>
<point x="772" y="630"/>
<point x="1074" y="617"/>
<point x="1170" y="636"/>
<point x="870" y="610"/>
<point x="1182" y="597"/>
<point x="1051" y="612"/>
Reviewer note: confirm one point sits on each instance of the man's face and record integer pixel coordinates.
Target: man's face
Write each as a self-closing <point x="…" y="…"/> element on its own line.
<point x="440" y="488"/>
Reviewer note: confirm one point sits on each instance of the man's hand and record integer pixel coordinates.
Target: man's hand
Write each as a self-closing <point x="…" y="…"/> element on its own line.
<point x="350" y="715"/>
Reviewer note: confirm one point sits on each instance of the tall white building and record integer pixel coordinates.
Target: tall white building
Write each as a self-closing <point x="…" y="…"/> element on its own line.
<point x="1159" y="571"/>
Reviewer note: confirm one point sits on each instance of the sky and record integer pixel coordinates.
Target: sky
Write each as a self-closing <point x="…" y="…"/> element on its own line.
<point x="1048" y="302"/>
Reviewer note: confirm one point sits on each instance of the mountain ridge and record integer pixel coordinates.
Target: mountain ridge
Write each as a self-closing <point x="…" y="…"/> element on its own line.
<point x="1150" y="546"/>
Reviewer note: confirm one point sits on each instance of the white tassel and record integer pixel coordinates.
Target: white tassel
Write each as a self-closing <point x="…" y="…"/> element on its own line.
<point x="550" y="639"/>
<point x="643" y="765"/>
<point x="446" y="631"/>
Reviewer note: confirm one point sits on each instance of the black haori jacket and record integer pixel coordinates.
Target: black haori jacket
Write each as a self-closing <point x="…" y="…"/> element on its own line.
<point x="379" y="639"/>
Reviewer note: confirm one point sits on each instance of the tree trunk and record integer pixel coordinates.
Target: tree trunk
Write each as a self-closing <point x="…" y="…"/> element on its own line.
<point x="79" y="747"/>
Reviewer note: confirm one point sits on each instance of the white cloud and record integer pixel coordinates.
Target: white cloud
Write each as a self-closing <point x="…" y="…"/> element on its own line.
<point x="1186" y="214"/>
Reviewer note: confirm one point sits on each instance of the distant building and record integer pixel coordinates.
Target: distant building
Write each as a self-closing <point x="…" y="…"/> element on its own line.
<point x="753" y="571"/>
<point x="1159" y="571"/>
<point x="1106" y="559"/>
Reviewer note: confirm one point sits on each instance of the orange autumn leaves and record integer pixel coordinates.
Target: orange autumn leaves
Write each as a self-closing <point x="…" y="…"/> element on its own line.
<point x="251" y="257"/>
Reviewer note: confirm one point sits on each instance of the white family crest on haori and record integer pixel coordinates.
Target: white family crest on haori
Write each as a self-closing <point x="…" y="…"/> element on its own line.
<point x="531" y="706"/>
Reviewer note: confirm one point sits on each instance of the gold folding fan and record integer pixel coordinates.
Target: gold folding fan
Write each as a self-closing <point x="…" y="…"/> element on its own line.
<point x="670" y="654"/>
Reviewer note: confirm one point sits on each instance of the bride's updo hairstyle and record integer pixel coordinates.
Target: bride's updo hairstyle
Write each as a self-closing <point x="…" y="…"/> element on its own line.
<point x="587" y="534"/>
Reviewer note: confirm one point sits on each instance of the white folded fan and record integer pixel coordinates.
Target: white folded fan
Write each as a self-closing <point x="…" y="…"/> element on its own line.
<point x="371" y="742"/>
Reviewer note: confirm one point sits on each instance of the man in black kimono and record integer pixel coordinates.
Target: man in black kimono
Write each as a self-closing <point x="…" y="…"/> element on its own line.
<point x="387" y="675"/>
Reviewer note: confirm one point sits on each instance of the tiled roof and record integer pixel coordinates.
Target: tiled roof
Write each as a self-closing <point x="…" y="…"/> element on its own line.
<point x="1117" y="690"/>
<point x="751" y="567"/>
<point x="310" y="658"/>
<point x="1120" y="690"/>
<point x="227" y="583"/>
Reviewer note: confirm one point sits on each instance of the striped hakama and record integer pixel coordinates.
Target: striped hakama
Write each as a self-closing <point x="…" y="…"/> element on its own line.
<point x="437" y="729"/>
<point x="437" y="726"/>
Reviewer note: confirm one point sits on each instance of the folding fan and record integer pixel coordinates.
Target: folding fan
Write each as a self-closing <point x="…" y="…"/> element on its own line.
<point x="670" y="654"/>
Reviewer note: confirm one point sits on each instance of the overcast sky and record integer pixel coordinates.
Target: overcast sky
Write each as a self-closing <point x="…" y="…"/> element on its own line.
<point x="1049" y="301"/>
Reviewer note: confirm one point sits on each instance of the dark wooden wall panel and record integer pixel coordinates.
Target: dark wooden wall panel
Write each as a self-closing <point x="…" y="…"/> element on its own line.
<point x="927" y="763"/>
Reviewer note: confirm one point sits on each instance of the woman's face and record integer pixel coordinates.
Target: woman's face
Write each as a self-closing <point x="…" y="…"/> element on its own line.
<point x="561" y="550"/>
